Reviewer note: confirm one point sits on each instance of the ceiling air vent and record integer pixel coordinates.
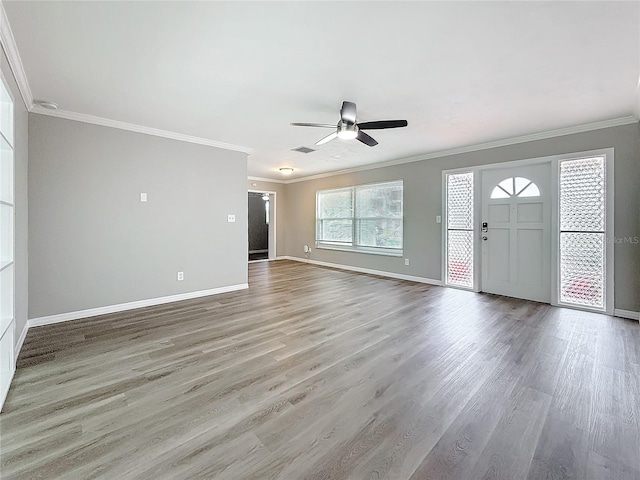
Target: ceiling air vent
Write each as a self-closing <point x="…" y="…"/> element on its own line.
<point x="303" y="150"/>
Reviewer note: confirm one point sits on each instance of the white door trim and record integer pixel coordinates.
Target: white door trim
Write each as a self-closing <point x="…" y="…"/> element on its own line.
<point x="273" y="220"/>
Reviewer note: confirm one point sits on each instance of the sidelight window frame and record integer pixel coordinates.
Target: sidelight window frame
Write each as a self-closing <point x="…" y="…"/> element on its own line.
<point x="608" y="233"/>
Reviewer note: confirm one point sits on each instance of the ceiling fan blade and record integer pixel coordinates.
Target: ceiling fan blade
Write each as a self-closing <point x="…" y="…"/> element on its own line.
<point x="348" y="112"/>
<point x="381" y="124"/>
<point x="304" y="124"/>
<point x="366" y="139"/>
<point x="328" y="138"/>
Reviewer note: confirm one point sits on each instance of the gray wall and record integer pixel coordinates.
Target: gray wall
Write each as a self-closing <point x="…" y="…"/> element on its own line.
<point x="281" y="212"/>
<point x="258" y="227"/>
<point x="423" y="201"/>
<point x="21" y="141"/>
<point x="92" y="243"/>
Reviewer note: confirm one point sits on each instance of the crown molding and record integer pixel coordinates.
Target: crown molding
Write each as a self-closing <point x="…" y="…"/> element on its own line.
<point x="615" y="122"/>
<point x="270" y="180"/>
<point x="106" y="122"/>
<point x="15" y="62"/>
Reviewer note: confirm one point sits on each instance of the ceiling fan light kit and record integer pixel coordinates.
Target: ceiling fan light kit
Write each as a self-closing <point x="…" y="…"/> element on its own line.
<point x="348" y="129"/>
<point x="347" y="132"/>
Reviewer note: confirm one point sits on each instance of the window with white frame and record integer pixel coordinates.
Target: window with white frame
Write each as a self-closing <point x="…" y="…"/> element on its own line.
<point x="7" y="256"/>
<point x="582" y="232"/>
<point x="365" y="218"/>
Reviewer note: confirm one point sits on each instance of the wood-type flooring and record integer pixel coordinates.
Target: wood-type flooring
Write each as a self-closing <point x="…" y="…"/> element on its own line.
<point x="315" y="373"/>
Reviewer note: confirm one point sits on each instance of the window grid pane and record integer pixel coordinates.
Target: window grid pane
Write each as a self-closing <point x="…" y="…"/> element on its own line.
<point x="460" y="258"/>
<point x="460" y="201"/>
<point x="582" y="268"/>
<point x="6" y="114"/>
<point x="336" y="230"/>
<point x="582" y="195"/>
<point x="335" y="204"/>
<point x="380" y="232"/>
<point x="379" y="201"/>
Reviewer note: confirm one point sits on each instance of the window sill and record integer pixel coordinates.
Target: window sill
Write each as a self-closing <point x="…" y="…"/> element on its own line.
<point x="371" y="251"/>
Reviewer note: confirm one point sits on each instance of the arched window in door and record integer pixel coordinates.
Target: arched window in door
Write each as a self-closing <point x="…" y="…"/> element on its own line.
<point x="515" y="187"/>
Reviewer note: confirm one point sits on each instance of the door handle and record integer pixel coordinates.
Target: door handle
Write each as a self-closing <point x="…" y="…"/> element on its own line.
<point x="484" y="237"/>
<point x="485" y="227"/>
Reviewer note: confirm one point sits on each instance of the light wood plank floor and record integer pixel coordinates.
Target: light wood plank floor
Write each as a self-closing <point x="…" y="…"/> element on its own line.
<point x="316" y="373"/>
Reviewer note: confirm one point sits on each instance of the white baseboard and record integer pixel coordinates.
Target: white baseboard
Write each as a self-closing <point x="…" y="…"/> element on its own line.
<point x="121" y="307"/>
<point x="617" y="312"/>
<point x="381" y="273"/>
<point x="627" y="314"/>
<point x="3" y="395"/>
<point x="18" y="346"/>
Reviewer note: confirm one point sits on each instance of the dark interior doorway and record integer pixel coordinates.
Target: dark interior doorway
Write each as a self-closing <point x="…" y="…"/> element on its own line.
<point x="259" y="206"/>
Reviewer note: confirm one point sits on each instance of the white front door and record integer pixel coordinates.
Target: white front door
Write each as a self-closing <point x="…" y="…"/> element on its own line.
<point x="515" y="232"/>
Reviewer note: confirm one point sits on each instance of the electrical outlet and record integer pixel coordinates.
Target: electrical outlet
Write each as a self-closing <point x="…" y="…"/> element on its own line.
<point x="180" y="276"/>
<point x="438" y="219"/>
<point x="231" y="218"/>
<point x="406" y="261"/>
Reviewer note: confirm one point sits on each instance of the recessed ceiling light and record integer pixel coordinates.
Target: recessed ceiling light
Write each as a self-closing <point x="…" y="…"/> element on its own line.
<point x="49" y="105"/>
<point x="286" y="170"/>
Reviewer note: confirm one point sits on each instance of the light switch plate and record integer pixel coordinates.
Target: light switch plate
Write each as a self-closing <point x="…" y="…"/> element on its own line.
<point x="143" y="197"/>
<point x="231" y="218"/>
<point x="438" y="219"/>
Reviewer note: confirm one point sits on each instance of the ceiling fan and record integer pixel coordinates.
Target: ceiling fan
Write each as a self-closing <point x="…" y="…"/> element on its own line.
<point x="348" y="129"/>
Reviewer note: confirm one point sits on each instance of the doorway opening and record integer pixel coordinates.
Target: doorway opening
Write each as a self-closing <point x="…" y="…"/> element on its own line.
<point x="261" y="226"/>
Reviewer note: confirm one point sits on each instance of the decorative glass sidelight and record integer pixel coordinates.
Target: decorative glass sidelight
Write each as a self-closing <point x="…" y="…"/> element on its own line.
<point x="459" y="198"/>
<point x="582" y="232"/>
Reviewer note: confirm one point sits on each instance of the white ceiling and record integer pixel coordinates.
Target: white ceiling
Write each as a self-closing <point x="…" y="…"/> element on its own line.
<point x="461" y="73"/>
